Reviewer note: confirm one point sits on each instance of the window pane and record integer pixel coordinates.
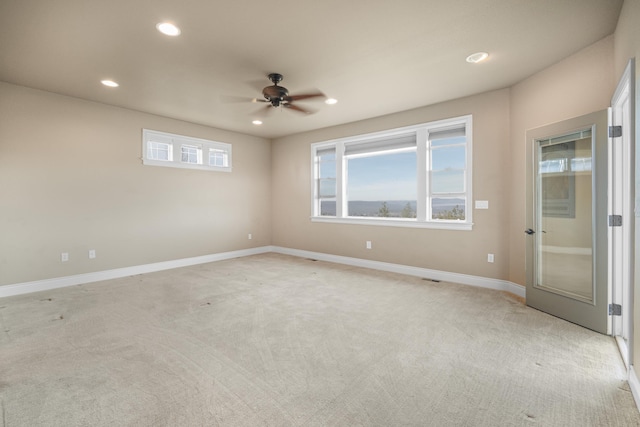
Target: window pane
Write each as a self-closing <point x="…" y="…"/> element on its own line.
<point x="327" y="168"/>
<point x="447" y="181"/>
<point x="554" y="166"/>
<point x="190" y="154"/>
<point x="448" y="157"/>
<point x="327" y="188"/>
<point x="448" y="166"/>
<point x="382" y="185"/>
<point x="327" y="155"/>
<point x="381" y="144"/>
<point x="448" y="141"/>
<point x="328" y="208"/>
<point x="326" y="182"/>
<point x="581" y="164"/>
<point x="218" y="157"/>
<point x="158" y="150"/>
<point x="448" y="208"/>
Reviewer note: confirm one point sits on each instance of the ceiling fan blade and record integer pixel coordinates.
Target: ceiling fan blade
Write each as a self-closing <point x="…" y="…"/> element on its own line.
<point x="296" y="108"/>
<point x="241" y="99"/>
<point x="305" y="96"/>
<point x="264" y="111"/>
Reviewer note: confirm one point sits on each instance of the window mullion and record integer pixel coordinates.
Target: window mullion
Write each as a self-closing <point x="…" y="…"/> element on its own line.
<point x="429" y="176"/>
<point x="315" y="184"/>
<point x="175" y="144"/>
<point x="421" y="172"/>
<point x="340" y="181"/>
<point x="468" y="170"/>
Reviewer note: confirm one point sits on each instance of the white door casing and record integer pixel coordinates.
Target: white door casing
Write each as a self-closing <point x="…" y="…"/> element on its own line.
<point x="620" y="206"/>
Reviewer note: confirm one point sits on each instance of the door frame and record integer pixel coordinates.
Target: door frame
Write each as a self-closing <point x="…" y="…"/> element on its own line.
<point x="590" y="315"/>
<point x="621" y="158"/>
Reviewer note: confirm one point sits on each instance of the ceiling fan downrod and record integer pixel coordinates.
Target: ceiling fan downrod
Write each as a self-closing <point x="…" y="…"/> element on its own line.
<point x="275" y="78"/>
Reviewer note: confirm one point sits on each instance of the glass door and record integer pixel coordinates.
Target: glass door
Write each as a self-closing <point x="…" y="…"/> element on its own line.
<point x="567" y="259"/>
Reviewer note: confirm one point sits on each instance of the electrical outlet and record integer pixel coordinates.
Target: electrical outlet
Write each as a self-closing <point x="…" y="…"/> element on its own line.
<point x="64" y="256"/>
<point x="92" y="253"/>
<point x="368" y="244"/>
<point x="489" y="257"/>
<point x="250" y="236"/>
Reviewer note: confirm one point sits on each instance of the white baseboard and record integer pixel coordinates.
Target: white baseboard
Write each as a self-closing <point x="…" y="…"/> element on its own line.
<point x="634" y="384"/>
<point x="464" y="279"/>
<point x="78" y="279"/>
<point x="60" y="282"/>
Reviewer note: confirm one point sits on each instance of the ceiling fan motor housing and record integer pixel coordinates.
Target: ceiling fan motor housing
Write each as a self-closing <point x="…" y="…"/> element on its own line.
<point x="275" y="94"/>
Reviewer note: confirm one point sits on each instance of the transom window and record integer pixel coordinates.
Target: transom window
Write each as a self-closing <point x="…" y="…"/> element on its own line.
<point x="191" y="154"/>
<point x="158" y="149"/>
<point x="418" y="176"/>
<point x="218" y="157"/>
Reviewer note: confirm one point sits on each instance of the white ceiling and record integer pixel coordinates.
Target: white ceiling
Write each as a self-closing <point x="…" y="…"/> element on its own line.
<point x="375" y="56"/>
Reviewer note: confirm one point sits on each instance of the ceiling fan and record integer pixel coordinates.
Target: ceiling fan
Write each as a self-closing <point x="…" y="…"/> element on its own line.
<point x="278" y="96"/>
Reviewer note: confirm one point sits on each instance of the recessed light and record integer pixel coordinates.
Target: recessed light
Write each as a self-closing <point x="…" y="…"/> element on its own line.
<point x="109" y="83"/>
<point x="477" y="57"/>
<point x="168" y="29"/>
<point x="331" y="101"/>
<point x="257" y="122"/>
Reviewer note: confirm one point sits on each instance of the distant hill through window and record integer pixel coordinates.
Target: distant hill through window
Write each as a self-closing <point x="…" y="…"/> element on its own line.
<point x="394" y="208"/>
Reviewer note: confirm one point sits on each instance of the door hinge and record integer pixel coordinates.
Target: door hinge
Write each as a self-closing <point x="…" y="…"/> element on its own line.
<point x="615" y="310"/>
<point x="615" y="220"/>
<point x="615" y="131"/>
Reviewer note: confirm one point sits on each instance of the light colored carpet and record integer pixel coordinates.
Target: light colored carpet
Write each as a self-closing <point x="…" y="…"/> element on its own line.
<point x="272" y="340"/>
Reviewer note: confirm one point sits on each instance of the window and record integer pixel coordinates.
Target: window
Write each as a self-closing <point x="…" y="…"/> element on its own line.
<point x="218" y="157"/>
<point x="418" y="176"/>
<point x="159" y="151"/>
<point x="193" y="153"/>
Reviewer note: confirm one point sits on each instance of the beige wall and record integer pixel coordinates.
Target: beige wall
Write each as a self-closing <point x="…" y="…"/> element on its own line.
<point x="580" y="84"/>
<point x="427" y="248"/>
<point x="71" y="179"/>
<point x="627" y="45"/>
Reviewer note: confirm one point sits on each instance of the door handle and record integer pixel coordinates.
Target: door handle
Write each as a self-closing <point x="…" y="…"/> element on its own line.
<point x="529" y="231"/>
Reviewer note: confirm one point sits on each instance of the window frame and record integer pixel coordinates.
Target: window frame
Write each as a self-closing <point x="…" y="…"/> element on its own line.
<point x="176" y="142"/>
<point x="424" y="193"/>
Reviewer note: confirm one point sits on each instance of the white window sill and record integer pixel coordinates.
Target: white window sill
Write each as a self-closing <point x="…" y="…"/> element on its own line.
<point x="184" y="165"/>
<point x="396" y="222"/>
